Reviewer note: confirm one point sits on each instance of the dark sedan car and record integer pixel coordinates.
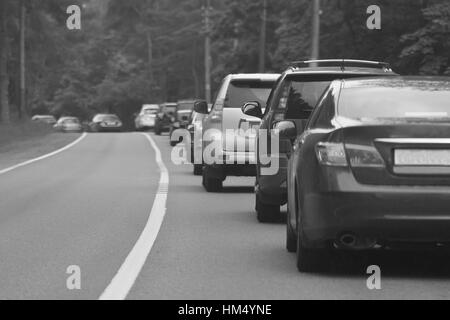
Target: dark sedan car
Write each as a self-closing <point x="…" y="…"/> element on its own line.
<point x="371" y="170"/>
<point x="106" y="123"/>
<point x="165" y="117"/>
<point x="182" y="118"/>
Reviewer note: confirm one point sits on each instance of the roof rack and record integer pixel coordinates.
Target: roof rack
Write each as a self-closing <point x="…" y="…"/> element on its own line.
<point x="342" y="63"/>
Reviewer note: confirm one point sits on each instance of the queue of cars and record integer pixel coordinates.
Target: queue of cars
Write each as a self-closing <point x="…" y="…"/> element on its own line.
<point x="363" y="158"/>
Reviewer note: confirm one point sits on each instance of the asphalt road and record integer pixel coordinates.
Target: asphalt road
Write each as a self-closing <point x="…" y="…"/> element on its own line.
<point x="88" y="205"/>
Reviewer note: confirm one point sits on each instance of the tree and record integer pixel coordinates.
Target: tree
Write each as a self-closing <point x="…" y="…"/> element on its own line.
<point x="427" y="50"/>
<point x="4" y="77"/>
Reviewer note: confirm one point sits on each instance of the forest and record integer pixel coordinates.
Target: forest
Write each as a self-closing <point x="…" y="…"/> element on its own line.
<point x="149" y="51"/>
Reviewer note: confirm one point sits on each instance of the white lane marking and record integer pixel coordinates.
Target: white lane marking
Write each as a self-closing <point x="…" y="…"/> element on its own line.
<point x="125" y="278"/>
<point x="23" y="164"/>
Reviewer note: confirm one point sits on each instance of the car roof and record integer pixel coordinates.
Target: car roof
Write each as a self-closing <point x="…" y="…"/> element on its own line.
<point x="255" y="76"/>
<point x="337" y="70"/>
<point x="68" y="118"/>
<point x="419" y="82"/>
<point x="43" y="116"/>
<point x="187" y="101"/>
<point x="106" y="115"/>
<point x="150" y="106"/>
<point x="340" y="66"/>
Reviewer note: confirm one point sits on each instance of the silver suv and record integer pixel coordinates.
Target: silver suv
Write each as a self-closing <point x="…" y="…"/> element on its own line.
<point x="228" y="148"/>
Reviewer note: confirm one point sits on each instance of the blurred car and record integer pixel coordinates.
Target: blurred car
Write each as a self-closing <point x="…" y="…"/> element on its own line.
<point x="165" y="117"/>
<point x="226" y="122"/>
<point x="68" y="124"/>
<point x="146" y="118"/>
<point x="182" y="118"/>
<point x="195" y="131"/>
<point x="48" y="119"/>
<point x="294" y="98"/>
<point x="371" y="169"/>
<point x="106" y="123"/>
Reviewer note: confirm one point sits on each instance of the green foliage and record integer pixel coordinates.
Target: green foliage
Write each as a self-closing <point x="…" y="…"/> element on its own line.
<point x="150" y="51"/>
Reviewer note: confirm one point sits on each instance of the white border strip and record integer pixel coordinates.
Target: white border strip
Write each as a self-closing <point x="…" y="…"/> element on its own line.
<point x="125" y="278"/>
<point x="23" y="164"/>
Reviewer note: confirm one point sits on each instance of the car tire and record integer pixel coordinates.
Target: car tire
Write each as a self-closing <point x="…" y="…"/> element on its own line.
<point x="266" y="213"/>
<point x="291" y="238"/>
<point x="198" y="169"/>
<point x="211" y="184"/>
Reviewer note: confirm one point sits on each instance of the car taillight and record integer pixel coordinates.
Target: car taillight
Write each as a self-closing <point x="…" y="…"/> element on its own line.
<point x="331" y="154"/>
<point x="361" y="156"/>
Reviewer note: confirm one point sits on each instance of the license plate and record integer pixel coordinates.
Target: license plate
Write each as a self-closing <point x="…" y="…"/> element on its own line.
<point x="438" y="158"/>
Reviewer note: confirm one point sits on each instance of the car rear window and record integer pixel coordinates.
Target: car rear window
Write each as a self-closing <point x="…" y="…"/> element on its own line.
<point x="429" y="101"/>
<point x="108" y="118"/>
<point x="151" y="111"/>
<point x="71" y="121"/>
<point x="242" y="91"/>
<point x="186" y="106"/>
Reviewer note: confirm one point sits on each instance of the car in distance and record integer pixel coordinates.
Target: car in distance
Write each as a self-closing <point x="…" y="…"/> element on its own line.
<point x="294" y="98"/>
<point x="225" y="124"/>
<point x="106" y="123"/>
<point x="47" y="119"/>
<point x="68" y="124"/>
<point x="165" y="117"/>
<point x="195" y="131"/>
<point x="371" y="169"/>
<point x="182" y="118"/>
<point x="146" y="118"/>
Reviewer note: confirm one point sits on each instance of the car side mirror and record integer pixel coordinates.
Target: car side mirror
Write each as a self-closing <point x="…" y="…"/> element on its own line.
<point x="253" y="109"/>
<point x="201" y="107"/>
<point x="286" y="129"/>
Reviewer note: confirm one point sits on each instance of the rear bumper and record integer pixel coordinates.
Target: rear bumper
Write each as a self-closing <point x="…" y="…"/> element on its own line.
<point x="110" y="129"/>
<point x="387" y="215"/>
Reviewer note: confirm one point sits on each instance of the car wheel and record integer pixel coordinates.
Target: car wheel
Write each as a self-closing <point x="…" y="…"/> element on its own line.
<point x="291" y="239"/>
<point x="266" y="213"/>
<point x="211" y="184"/>
<point x="198" y="169"/>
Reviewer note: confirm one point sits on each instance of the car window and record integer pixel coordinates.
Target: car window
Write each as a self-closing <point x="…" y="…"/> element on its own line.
<point x="150" y="111"/>
<point x="242" y="91"/>
<point x="185" y="106"/>
<point x="302" y="98"/>
<point x="71" y="121"/>
<point x="429" y="101"/>
<point x="324" y="112"/>
<point x="106" y="118"/>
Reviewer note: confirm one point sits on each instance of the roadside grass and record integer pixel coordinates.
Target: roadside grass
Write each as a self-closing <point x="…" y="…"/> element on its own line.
<point x="23" y="141"/>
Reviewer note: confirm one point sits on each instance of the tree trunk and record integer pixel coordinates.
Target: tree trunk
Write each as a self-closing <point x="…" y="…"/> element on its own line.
<point x="4" y="79"/>
<point x="150" y="58"/>
<point x="22" y="103"/>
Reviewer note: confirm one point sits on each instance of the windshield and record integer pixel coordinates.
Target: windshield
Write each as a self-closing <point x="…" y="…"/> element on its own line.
<point x="71" y="121"/>
<point x="395" y="103"/>
<point x="150" y="111"/>
<point x="107" y="118"/>
<point x="169" y="109"/>
<point x="242" y="91"/>
<point x="185" y="107"/>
